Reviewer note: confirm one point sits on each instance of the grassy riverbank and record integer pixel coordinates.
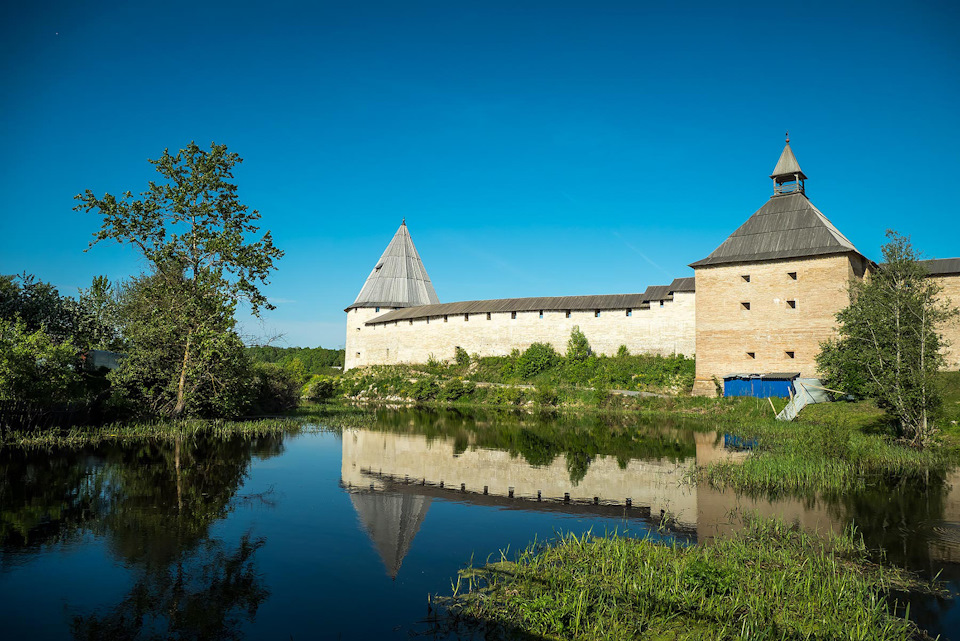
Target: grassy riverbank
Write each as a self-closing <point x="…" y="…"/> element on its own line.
<point x="327" y="416"/>
<point x="769" y="582"/>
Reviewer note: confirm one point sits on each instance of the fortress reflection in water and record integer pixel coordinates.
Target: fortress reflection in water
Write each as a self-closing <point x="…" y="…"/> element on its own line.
<point x="392" y="479"/>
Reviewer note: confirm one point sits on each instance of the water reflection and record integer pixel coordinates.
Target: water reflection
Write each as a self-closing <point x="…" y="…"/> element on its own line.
<point x="420" y="491"/>
<point x="599" y="463"/>
<point x="153" y="504"/>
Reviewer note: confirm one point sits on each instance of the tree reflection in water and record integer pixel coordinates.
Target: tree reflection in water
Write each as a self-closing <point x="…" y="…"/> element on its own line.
<point x="153" y="502"/>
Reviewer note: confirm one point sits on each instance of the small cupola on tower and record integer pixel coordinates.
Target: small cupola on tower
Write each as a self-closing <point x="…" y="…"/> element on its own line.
<point x="787" y="176"/>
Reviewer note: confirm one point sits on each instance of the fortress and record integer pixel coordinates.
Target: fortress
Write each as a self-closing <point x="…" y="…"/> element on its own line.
<point x="762" y="302"/>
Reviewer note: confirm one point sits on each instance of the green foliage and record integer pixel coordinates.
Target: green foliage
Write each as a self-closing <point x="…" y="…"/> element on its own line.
<point x="888" y="346"/>
<point x="99" y="320"/>
<point x="425" y="389"/>
<point x="623" y="352"/>
<point x="184" y="357"/>
<point x="537" y="358"/>
<point x="34" y="368"/>
<point x="768" y="582"/>
<point x="545" y="395"/>
<point x="192" y="219"/>
<point x="296" y="370"/>
<point x="452" y="390"/>
<point x="89" y="323"/>
<point x="38" y="305"/>
<point x="315" y="360"/>
<point x="461" y="356"/>
<point x="321" y="388"/>
<point x="578" y="348"/>
<point x="273" y="390"/>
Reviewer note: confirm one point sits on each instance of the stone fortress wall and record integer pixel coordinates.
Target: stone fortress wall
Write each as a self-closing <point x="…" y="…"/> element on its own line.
<point x="761" y="303"/>
<point x="951" y="331"/>
<point x="769" y="317"/>
<point x="665" y="328"/>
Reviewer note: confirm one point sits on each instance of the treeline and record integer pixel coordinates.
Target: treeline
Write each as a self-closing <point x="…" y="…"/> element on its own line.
<point x="314" y="360"/>
<point x="174" y="324"/>
<point x="49" y="372"/>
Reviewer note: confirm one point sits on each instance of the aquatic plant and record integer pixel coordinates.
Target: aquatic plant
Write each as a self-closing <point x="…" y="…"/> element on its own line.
<point x="770" y="581"/>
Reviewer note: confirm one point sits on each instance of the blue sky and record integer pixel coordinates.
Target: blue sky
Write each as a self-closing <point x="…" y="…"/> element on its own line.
<point x="535" y="148"/>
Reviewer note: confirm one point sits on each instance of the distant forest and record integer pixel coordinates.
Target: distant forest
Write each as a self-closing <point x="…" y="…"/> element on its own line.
<point x="316" y="360"/>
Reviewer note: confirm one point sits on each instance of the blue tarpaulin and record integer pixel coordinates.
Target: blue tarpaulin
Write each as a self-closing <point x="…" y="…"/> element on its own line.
<point x="779" y="384"/>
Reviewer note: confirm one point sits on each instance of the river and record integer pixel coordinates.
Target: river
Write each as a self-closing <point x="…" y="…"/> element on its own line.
<point x="344" y="534"/>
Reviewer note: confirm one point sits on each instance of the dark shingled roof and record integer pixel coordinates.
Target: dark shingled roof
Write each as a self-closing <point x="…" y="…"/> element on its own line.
<point x="787" y="226"/>
<point x="547" y="303"/>
<point x="942" y="266"/>
<point x="399" y="278"/>
<point x="787" y="165"/>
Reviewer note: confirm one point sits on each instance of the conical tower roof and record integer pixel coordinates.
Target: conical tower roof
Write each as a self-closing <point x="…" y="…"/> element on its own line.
<point x="787" y="226"/>
<point x="391" y="521"/>
<point x="399" y="278"/>
<point x="787" y="166"/>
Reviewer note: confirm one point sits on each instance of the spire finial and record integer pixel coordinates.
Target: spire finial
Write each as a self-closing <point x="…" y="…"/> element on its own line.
<point x="788" y="137"/>
<point x="404" y="221"/>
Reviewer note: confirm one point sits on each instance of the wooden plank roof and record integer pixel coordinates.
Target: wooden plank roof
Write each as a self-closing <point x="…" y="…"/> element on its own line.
<point x="942" y="266"/>
<point x="787" y="226"/>
<point x="399" y="278"/>
<point x="547" y="303"/>
<point x="787" y="165"/>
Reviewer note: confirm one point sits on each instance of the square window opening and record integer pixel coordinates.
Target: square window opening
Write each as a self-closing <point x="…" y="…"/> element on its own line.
<point x="568" y="313"/>
<point x="411" y="321"/>
<point x="596" y="314"/>
<point x="513" y="315"/>
<point x="792" y="304"/>
<point x="488" y="315"/>
<point x="746" y="278"/>
<point x="661" y="303"/>
<point x="377" y="310"/>
<point x="792" y="275"/>
<point x="629" y="312"/>
<point x="745" y="305"/>
<point x="751" y="354"/>
<point x="541" y="314"/>
<point x="790" y="354"/>
<point x="466" y="317"/>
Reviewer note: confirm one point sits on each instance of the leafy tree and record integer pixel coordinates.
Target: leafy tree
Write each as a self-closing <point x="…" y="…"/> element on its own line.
<point x="98" y="318"/>
<point x="39" y="306"/>
<point x="537" y="358"/>
<point x="578" y="348"/>
<point x="888" y="345"/>
<point x="184" y="356"/>
<point x="197" y="236"/>
<point x="35" y="368"/>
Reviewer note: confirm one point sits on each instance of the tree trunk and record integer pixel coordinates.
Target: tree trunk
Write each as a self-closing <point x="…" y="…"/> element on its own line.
<point x="181" y="384"/>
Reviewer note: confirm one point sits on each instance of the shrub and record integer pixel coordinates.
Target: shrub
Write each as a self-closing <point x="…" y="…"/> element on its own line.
<point x="273" y="390"/>
<point x="578" y="348"/>
<point x="321" y="388"/>
<point x="461" y="356"/>
<point x="425" y="389"/>
<point x="545" y="396"/>
<point x="538" y="358"/>
<point x="622" y="351"/>
<point x="452" y="390"/>
<point x="508" y="396"/>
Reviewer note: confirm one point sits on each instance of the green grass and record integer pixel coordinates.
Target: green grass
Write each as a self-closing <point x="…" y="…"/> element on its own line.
<point x="831" y="448"/>
<point x="769" y="582"/>
<point x="323" y="416"/>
